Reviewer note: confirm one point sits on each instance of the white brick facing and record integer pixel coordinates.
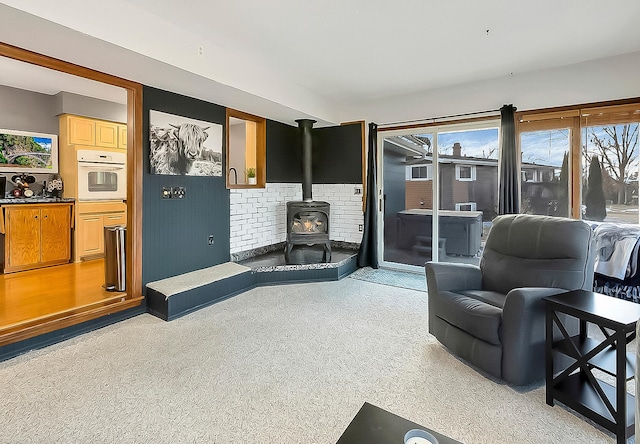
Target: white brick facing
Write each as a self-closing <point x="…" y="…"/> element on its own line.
<point x="261" y="215"/>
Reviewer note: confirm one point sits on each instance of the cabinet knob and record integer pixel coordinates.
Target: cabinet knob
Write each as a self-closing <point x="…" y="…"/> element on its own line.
<point x="35" y="217"/>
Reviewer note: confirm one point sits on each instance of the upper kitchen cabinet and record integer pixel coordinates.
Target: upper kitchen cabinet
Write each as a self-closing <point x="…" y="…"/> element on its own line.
<point x="122" y="136"/>
<point x="106" y="134"/>
<point x="80" y="131"/>
<point x="77" y="130"/>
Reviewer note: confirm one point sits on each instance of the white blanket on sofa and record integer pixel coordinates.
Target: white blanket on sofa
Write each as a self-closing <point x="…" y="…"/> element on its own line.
<point x="617" y="249"/>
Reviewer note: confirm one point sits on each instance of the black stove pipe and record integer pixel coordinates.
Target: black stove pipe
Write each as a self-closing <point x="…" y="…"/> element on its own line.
<point x="305" y="126"/>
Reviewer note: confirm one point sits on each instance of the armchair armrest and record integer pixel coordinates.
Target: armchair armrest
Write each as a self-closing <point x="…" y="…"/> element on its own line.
<point x="445" y="276"/>
<point x="523" y="333"/>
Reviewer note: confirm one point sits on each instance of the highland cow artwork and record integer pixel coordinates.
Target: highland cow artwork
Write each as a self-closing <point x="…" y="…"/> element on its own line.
<point x="183" y="146"/>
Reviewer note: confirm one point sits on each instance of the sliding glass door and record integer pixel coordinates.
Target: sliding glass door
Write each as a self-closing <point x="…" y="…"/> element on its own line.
<point x="468" y="189"/>
<point x="407" y="197"/>
<point x="439" y="188"/>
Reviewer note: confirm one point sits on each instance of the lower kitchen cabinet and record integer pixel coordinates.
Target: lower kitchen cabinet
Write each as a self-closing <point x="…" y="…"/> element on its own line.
<point x="36" y="235"/>
<point x="92" y="218"/>
<point x="89" y="237"/>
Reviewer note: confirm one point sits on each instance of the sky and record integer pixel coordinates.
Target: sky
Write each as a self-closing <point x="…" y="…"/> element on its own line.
<point x="44" y="142"/>
<point x="477" y="143"/>
<point x="541" y="147"/>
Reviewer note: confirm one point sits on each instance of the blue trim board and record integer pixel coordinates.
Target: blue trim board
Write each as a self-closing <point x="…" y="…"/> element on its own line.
<point x="183" y="303"/>
<point x="188" y="301"/>
<point x="47" y="339"/>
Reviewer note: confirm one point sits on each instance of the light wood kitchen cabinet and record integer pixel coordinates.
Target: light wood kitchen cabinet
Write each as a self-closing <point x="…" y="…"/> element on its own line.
<point x="77" y="130"/>
<point x="122" y="137"/>
<point x="36" y="235"/>
<point x="56" y="233"/>
<point x="90" y="237"/>
<point x="92" y="218"/>
<point x="106" y="134"/>
<point x="110" y="220"/>
<point x="80" y="130"/>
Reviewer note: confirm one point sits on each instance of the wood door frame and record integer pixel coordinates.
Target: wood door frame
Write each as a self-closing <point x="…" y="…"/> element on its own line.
<point x="134" y="196"/>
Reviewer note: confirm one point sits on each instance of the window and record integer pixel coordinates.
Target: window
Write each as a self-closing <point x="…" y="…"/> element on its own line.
<point x="246" y="150"/>
<point x="574" y="141"/>
<point x="611" y="193"/>
<point x="466" y="206"/>
<point x="544" y="187"/>
<point x="465" y="172"/>
<point x="527" y="175"/>
<point x="420" y="172"/>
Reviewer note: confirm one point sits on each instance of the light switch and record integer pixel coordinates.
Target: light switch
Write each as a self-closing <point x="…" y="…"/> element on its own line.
<point x="167" y="192"/>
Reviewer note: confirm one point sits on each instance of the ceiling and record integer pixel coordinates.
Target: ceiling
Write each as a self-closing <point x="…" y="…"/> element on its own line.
<point x="343" y="53"/>
<point x="356" y="50"/>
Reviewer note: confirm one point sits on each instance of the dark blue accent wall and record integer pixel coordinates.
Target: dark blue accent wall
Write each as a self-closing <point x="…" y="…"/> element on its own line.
<point x="336" y="154"/>
<point x="175" y="231"/>
<point x="284" y="153"/>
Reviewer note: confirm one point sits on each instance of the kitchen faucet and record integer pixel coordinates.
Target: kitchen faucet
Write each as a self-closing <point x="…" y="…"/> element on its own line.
<point x="235" y="174"/>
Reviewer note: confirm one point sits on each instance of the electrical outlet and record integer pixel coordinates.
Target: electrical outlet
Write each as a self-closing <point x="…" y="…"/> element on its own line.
<point x="201" y="50"/>
<point x="167" y="192"/>
<point x="179" y="192"/>
<point x="210" y="240"/>
<point x="357" y="190"/>
<point x="360" y="227"/>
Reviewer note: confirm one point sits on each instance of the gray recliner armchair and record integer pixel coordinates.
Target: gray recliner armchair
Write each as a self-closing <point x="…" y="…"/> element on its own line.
<point x="492" y="315"/>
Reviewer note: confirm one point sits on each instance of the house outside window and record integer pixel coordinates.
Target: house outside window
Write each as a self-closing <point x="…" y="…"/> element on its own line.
<point x="420" y="172"/>
<point x="528" y="175"/>
<point x="466" y="172"/>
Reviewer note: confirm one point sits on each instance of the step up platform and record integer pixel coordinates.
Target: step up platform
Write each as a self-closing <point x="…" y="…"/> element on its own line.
<point x="179" y="295"/>
<point x="424" y="245"/>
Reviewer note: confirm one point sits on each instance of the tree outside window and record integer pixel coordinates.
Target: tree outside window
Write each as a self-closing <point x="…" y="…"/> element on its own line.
<point x="616" y="147"/>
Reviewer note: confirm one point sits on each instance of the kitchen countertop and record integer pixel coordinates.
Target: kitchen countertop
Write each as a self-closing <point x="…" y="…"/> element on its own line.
<point x="36" y="200"/>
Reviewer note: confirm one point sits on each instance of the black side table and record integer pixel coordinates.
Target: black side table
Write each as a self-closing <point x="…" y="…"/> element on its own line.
<point x="576" y="387"/>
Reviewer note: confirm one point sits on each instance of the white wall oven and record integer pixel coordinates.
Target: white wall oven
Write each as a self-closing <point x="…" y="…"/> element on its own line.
<point x="102" y="175"/>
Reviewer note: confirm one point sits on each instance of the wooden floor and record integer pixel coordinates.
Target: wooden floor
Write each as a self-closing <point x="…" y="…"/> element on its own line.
<point x="33" y="296"/>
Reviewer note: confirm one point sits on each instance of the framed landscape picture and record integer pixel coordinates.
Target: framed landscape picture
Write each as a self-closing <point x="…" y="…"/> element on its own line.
<point x="184" y="146"/>
<point x="28" y="152"/>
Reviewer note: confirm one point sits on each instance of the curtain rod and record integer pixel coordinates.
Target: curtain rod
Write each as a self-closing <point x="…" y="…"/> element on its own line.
<point x="433" y="119"/>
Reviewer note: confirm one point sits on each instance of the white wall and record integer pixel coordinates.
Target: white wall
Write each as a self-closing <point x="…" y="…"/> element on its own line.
<point x="258" y="215"/>
<point x="606" y="79"/>
<point x="346" y="210"/>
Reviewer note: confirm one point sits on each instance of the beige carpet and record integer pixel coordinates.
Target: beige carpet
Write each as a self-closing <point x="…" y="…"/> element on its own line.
<point x="279" y="364"/>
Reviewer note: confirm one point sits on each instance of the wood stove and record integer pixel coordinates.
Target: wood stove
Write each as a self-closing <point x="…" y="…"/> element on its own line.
<point x="307" y="220"/>
<point x="308" y="224"/>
